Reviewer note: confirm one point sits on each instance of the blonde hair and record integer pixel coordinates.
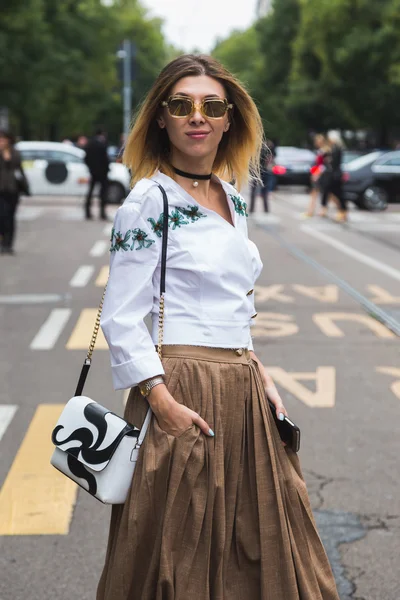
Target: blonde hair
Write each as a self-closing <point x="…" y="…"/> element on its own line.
<point x="334" y="137"/>
<point x="147" y="147"/>
<point x="323" y="142"/>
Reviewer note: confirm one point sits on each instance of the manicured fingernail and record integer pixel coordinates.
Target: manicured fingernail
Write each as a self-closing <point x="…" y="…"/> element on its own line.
<point x="210" y="432"/>
<point x="281" y="416"/>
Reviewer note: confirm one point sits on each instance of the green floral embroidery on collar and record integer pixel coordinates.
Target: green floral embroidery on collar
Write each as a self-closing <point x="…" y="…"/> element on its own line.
<point x="176" y="219"/>
<point x="240" y="206"/>
<point x="140" y="236"/>
<point x="192" y="212"/>
<point x="157" y="226"/>
<point x="118" y="242"/>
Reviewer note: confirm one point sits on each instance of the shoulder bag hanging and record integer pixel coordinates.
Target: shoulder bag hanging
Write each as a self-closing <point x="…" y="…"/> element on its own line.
<point x="95" y="447"/>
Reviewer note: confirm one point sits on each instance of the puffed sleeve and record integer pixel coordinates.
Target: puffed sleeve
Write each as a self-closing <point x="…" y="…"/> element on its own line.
<point x="135" y="253"/>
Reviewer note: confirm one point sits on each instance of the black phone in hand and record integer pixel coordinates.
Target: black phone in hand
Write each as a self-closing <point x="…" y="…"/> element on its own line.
<point x="288" y="431"/>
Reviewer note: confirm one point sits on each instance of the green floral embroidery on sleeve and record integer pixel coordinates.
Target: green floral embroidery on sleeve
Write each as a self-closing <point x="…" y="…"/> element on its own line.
<point x="240" y="206"/>
<point x="140" y="236"/>
<point x="176" y="219"/>
<point x="120" y="243"/>
<point x="157" y="226"/>
<point x="192" y="212"/>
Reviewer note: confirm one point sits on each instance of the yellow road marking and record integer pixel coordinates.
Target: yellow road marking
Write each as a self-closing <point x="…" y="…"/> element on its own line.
<point x="326" y="322"/>
<point x="36" y="499"/>
<point x="324" y="377"/>
<point x="102" y="277"/>
<point x="394" y="372"/>
<point x="82" y="333"/>
<point x="264" y="293"/>
<point x="323" y="293"/>
<point x="382" y="296"/>
<point x="274" y="325"/>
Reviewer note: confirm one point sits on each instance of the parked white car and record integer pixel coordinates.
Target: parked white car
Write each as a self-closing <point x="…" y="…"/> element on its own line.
<point x="58" y="169"/>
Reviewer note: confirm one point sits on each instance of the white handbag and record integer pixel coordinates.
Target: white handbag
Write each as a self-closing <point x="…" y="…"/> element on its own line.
<point x="95" y="447"/>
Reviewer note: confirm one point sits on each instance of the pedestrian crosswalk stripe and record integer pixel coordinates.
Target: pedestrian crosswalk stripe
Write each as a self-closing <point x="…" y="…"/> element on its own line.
<point x="29" y="213"/>
<point x="82" y="333"/>
<point x="7" y="411"/>
<point x="51" y="329"/>
<point x="102" y="277"/>
<point x="36" y="499"/>
<point x="82" y="276"/>
<point x="99" y="248"/>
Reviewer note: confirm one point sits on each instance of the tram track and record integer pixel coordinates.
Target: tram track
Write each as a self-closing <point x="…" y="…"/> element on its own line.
<point x="391" y="323"/>
<point x="347" y="226"/>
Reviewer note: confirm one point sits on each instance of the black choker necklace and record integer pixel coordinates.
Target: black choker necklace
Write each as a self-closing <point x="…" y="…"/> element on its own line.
<point x="192" y="176"/>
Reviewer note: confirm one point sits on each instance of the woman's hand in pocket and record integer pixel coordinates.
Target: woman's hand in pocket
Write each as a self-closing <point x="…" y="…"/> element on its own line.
<point x="174" y="418"/>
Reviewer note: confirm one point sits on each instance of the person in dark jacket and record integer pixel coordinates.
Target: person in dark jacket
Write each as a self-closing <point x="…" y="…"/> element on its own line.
<point x="267" y="156"/>
<point x="98" y="163"/>
<point x="333" y="188"/>
<point x="12" y="183"/>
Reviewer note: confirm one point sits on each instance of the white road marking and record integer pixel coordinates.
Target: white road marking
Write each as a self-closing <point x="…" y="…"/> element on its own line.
<point x="29" y="213"/>
<point x="82" y="276"/>
<point x="51" y="329"/>
<point x="7" y="411"/>
<point x="30" y="298"/>
<point x="265" y="218"/>
<point x="99" y="248"/>
<point x="71" y="213"/>
<point x="378" y="227"/>
<point x="367" y="260"/>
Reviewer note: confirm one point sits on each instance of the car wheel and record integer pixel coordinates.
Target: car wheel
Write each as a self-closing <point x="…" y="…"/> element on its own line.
<point x="115" y="193"/>
<point x="375" y="198"/>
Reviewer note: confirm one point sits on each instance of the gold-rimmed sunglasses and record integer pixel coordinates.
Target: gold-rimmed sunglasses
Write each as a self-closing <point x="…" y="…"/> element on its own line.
<point x="181" y="107"/>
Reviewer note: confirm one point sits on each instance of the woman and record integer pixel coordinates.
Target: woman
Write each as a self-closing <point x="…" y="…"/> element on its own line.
<point x="333" y="188"/>
<point x="317" y="172"/>
<point x="12" y="178"/>
<point x="218" y="509"/>
<point x="266" y="158"/>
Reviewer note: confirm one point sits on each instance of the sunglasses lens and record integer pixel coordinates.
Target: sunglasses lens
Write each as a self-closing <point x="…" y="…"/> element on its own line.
<point x="214" y="109"/>
<point x="180" y="107"/>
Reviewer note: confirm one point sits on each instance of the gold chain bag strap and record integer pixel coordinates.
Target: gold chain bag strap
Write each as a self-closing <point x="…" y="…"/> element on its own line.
<point x="103" y="469"/>
<point x="88" y="359"/>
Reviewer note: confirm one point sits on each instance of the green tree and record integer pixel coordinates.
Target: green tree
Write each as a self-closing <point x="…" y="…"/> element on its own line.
<point x="240" y="53"/>
<point x="345" y="69"/>
<point x="58" y="63"/>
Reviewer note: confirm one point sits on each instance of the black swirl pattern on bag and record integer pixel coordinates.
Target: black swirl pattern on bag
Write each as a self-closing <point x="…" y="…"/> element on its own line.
<point x="88" y="448"/>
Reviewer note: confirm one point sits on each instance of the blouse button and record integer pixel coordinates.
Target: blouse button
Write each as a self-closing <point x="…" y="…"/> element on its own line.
<point x="249" y="293"/>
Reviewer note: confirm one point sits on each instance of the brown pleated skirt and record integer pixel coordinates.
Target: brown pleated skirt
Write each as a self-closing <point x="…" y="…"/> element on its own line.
<point x="223" y="518"/>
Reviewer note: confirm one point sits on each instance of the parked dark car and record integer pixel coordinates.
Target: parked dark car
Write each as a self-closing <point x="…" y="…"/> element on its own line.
<point x="373" y="180"/>
<point x="349" y="155"/>
<point x="292" y="165"/>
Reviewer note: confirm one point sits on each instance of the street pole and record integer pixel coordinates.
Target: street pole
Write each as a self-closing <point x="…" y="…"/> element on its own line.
<point x="127" y="91"/>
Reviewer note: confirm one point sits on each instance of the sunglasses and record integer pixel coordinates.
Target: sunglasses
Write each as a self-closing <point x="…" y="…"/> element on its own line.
<point x="181" y="107"/>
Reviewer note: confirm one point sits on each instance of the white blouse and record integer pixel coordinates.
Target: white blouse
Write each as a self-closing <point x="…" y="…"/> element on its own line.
<point x="212" y="267"/>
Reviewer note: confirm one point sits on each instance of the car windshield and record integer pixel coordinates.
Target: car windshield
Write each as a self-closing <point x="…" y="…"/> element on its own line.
<point x="362" y="161"/>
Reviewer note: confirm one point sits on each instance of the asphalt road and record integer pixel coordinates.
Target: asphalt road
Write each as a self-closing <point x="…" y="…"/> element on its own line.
<point x="327" y="329"/>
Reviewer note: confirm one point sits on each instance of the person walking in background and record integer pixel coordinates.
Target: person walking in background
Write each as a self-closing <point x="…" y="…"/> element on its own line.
<point x="218" y="508"/>
<point x="266" y="156"/>
<point x="333" y="188"/>
<point x="318" y="173"/>
<point x="98" y="163"/>
<point x="12" y="183"/>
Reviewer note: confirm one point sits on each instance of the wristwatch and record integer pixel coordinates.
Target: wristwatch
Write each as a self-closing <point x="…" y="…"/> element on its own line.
<point x="146" y="387"/>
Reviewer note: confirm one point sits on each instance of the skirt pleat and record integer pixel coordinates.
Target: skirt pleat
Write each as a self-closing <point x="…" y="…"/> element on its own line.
<point x="223" y="518"/>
